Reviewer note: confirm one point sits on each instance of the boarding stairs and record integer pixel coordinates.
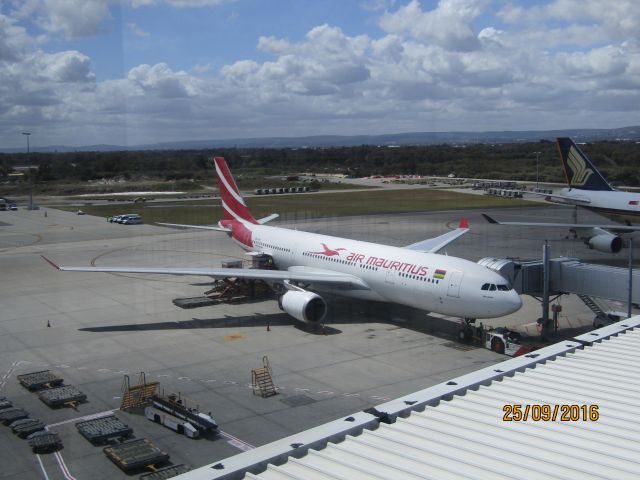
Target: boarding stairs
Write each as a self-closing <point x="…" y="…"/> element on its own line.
<point x="261" y="380"/>
<point x="592" y="304"/>
<point x="137" y="395"/>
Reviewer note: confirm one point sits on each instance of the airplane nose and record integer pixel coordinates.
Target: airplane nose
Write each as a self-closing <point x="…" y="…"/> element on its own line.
<point x="515" y="303"/>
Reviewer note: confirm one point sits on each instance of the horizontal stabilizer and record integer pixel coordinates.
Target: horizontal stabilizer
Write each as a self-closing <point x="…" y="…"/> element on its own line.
<point x="201" y="227"/>
<point x="266" y="219"/>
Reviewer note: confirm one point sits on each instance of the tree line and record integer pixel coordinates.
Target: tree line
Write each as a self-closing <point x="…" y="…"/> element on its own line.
<point x="619" y="162"/>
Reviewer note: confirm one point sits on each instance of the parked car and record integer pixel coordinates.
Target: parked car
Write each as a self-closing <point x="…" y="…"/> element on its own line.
<point x="133" y="219"/>
<point x="13" y="206"/>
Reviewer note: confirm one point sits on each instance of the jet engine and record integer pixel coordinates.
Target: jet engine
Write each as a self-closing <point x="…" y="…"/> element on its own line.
<point x="606" y="242"/>
<point x="304" y="306"/>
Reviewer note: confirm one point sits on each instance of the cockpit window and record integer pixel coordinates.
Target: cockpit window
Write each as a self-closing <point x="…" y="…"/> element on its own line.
<point x="493" y="287"/>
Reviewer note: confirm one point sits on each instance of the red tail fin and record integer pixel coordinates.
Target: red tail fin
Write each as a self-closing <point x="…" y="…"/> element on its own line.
<point x="232" y="201"/>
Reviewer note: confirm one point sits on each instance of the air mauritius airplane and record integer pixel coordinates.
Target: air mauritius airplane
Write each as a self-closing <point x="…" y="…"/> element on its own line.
<point x="587" y="188"/>
<point x="307" y="263"/>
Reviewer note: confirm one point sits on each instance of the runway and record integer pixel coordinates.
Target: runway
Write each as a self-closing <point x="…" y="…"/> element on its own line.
<point x="103" y="326"/>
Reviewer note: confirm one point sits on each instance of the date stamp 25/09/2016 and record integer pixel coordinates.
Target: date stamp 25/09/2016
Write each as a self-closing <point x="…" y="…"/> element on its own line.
<point x="550" y="413"/>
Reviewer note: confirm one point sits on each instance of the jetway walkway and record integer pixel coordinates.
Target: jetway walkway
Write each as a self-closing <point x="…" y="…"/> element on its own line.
<point x="568" y="275"/>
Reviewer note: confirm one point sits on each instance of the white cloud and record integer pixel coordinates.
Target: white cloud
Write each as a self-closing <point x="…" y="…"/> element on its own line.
<point x="325" y="63"/>
<point x="202" y="67"/>
<point x="377" y="5"/>
<point x="67" y="67"/>
<point x="596" y="19"/>
<point x="449" y="25"/>
<point x="196" y="3"/>
<point x="163" y="82"/>
<point x="73" y="18"/>
<point x="428" y="69"/>
<point x="179" y="3"/>
<point x="14" y="41"/>
<point x="601" y="62"/>
<point x="136" y="30"/>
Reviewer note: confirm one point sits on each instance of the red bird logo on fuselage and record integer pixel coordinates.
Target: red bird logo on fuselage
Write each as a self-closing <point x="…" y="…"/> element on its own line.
<point x="328" y="252"/>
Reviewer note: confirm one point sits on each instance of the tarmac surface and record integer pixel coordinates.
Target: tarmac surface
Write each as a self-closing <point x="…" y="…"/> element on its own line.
<point x="95" y="328"/>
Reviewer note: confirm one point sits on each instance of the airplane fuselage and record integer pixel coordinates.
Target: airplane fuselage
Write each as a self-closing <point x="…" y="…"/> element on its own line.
<point x="427" y="281"/>
<point x="617" y="205"/>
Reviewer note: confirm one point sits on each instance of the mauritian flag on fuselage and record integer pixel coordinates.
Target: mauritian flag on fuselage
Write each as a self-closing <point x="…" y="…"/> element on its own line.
<point x="439" y="273"/>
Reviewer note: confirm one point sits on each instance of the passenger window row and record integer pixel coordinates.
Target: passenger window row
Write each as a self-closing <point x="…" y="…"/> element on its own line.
<point x="421" y="279"/>
<point x="329" y="259"/>
<point x="275" y="247"/>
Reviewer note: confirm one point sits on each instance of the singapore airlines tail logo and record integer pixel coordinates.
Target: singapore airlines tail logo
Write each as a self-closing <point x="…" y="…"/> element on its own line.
<point x="328" y="251"/>
<point x="581" y="172"/>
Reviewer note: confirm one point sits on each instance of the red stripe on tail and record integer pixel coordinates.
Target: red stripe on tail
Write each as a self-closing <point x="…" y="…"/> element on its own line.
<point x="232" y="201"/>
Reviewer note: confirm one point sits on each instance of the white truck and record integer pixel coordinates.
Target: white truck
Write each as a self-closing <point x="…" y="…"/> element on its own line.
<point x="174" y="423"/>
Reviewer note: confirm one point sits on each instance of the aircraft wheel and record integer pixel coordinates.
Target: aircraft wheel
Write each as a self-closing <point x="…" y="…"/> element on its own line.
<point x="464" y="335"/>
<point x="497" y="345"/>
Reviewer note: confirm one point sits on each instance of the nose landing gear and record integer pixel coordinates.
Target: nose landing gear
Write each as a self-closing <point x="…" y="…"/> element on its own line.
<point x="467" y="330"/>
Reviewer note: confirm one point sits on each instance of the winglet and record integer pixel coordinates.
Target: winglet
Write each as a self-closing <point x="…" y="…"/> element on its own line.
<point x="51" y="263"/>
<point x="464" y="223"/>
<point x="489" y="219"/>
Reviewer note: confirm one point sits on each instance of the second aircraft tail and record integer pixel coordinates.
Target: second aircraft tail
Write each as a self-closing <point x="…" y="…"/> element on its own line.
<point x="578" y="169"/>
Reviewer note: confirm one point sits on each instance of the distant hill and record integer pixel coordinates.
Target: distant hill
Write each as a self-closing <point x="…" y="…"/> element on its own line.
<point x="410" y="138"/>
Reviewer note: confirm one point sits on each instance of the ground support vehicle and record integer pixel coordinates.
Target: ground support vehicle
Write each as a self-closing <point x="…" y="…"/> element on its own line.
<point x="176" y="406"/>
<point x="503" y="340"/>
<point x="179" y="425"/>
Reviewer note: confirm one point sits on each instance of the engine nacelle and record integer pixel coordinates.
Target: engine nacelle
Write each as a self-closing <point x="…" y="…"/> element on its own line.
<point x="607" y="243"/>
<point x="304" y="306"/>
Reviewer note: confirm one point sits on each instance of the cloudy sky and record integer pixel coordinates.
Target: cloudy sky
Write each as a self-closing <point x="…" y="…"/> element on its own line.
<point x="126" y="72"/>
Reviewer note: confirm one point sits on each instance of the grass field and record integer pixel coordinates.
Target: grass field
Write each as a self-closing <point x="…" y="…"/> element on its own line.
<point x="304" y="206"/>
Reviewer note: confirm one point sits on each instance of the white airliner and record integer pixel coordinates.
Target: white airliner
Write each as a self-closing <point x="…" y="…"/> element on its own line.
<point x="308" y="263"/>
<point x="588" y="188"/>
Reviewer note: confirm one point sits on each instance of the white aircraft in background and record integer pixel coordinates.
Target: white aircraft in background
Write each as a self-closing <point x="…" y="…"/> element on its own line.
<point x="308" y="263"/>
<point x="588" y="188"/>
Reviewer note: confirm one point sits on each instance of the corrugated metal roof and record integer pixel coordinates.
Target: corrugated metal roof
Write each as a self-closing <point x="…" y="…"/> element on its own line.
<point x="460" y="431"/>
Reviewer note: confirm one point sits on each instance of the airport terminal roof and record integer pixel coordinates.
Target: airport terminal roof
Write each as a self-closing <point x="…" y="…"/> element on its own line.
<point x="581" y="398"/>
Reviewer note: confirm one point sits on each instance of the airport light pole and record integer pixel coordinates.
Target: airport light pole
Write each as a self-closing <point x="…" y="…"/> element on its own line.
<point x="537" y="154"/>
<point x="630" y="285"/>
<point x="28" y="134"/>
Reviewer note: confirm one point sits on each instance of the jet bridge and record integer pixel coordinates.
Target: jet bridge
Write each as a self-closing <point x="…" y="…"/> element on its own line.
<point x="568" y="275"/>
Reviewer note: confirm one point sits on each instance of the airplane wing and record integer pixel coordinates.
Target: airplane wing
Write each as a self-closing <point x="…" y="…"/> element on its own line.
<point x="573" y="200"/>
<point x="433" y="245"/>
<point x="577" y="226"/>
<point x="309" y="276"/>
